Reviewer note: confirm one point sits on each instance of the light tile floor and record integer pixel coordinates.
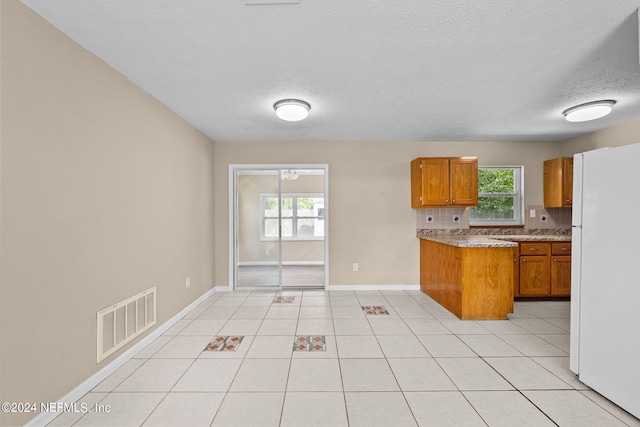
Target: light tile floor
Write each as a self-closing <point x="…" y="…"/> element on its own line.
<point x="418" y="365"/>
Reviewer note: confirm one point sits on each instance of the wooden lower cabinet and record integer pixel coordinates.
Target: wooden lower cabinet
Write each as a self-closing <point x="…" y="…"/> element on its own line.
<point x="544" y="269"/>
<point x="534" y="275"/>
<point x="561" y="275"/>
<point x="472" y="283"/>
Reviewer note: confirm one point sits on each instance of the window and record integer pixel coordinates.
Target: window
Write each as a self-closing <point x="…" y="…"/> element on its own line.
<point x="302" y="216"/>
<point x="499" y="196"/>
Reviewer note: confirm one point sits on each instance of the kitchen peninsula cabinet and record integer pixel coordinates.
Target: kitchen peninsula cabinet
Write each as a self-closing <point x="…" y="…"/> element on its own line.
<point x="444" y="182"/>
<point x="473" y="279"/>
<point x="558" y="182"/>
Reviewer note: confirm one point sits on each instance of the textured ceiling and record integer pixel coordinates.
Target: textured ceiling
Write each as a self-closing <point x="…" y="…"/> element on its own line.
<point x="412" y="70"/>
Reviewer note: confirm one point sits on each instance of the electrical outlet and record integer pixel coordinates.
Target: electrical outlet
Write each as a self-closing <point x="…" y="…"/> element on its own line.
<point x="355" y="266"/>
<point x="532" y="213"/>
<point x="543" y="218"/>
<point x="456" y="218"/>
<point x="429" y="218"/>
<point x="187" y="282"/>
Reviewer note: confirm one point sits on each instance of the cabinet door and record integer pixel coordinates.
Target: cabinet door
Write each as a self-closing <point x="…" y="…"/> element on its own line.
<point x="558" y="182"/>
<point x="534" y="275"/>
<point x="561" y="275"/>
<point x="516" y="272"/>
<point x="552" y="183"/>
<point x="464" y="181"/>
<point x="567" y="181"/>
<point x="435" y="182"/>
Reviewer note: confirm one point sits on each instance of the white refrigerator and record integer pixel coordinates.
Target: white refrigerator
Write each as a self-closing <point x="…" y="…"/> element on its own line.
<point x="605" y="274"/>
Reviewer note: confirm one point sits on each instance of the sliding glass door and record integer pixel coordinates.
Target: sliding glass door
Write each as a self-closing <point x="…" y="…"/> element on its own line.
<point x="280" y="227"/>
<point x="258" y="243"/>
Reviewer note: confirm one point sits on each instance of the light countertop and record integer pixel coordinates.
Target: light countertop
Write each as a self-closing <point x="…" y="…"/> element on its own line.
<point x="493" y="241"/>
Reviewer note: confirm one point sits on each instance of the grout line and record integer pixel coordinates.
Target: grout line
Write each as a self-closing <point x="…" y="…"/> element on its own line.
<point x="422" y="302"/>
<point x="344" y="393"/>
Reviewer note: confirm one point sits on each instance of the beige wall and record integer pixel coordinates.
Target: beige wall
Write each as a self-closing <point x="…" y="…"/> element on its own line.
<point x="2" y="417"/>
<point x="371" y="221"/>
<point x="624" y="134"/>
<point x="105" y="193"/>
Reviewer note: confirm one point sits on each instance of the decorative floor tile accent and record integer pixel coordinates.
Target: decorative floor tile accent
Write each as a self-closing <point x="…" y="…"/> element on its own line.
<point x="230" y="343"/>
<point x="283" y="300"/>
<point x="310" y="343"/>
<point x="374" y="309"/>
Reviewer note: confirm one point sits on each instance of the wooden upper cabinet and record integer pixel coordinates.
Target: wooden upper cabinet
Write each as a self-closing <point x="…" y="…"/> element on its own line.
<point x="464" y="181"/>
<point x="432" y="177"/>
<point x="444" y="182"/>
<point x="558" y="182"/>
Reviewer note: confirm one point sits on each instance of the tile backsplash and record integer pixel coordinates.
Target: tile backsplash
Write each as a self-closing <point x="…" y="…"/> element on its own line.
<point x="442" y="218"/>
<point x="547" y="217"/>
<point x="445" y="218"/>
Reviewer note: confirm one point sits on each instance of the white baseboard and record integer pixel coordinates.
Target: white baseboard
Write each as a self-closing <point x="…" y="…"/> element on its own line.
<point x="335" y="288"/>
<point x="275" y="264"/>
<point x="373" y="288"/>
<point x="91" y="382"/>
<point x="303" y="263"/>
<point x="87" y="385"/>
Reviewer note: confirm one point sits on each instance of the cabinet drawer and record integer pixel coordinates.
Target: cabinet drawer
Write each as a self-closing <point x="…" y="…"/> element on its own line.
<point x="561" y="248"/>
<point x="534" y="248"/>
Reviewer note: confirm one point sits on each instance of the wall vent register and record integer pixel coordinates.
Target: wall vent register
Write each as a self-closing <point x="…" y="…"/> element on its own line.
<point x="120" y="323"/>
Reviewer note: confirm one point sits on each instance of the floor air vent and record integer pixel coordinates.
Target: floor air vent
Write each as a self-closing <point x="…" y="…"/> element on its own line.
<point x="122" y="322"/>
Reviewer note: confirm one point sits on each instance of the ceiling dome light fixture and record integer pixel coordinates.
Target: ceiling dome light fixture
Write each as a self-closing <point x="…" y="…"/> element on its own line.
<point x="292" y="110"/>
<point x="589" y="111"/>
<point x="289" y="175"/>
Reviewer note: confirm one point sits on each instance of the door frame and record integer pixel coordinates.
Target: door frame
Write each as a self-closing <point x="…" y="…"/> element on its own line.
<point x="232" y="211"/>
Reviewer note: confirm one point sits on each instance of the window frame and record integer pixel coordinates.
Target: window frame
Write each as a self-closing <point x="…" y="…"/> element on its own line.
<point x="294" y="217"/>
<point x="518" y="195"/>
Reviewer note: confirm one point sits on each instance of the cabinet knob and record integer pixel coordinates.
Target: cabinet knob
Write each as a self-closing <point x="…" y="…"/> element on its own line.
<point x="534" y="249"/>
<point x="453" y="201"/>
<point x="564" y="249"/>
<point x="523" y="260"/>
<point x="555" y="260"/>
